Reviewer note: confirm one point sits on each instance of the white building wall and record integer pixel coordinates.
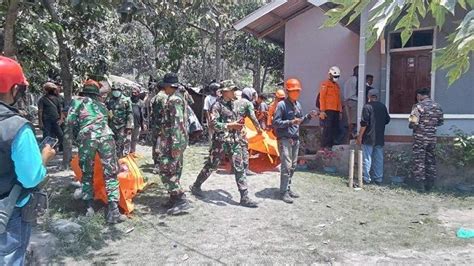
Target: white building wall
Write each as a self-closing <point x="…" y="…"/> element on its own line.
<point x="310" y="51"/>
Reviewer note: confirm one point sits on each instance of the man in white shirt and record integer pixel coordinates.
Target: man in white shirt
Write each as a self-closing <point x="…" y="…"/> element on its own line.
<point x="208" y="102"/>
<point x="350" y="100"/>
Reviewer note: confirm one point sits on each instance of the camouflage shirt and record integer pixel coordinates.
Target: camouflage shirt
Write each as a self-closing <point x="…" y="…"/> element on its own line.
<point x="87" y="119"/>
<point x="244" y="108"/>
<point x="120" y="112"/>
<point x="430" y="116"/>
<point x="222" y="113"/>
<point x="175" y="123"/>
<point x="158" y="103"/>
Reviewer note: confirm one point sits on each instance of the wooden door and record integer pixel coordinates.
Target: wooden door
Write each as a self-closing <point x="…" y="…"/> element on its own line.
<point x="408" y="72"/>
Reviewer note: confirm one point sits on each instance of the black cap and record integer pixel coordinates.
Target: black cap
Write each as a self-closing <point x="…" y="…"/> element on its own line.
<point x="170" y="79"/>
<point x="214" y="86"/>
<point x="424" y="91"/>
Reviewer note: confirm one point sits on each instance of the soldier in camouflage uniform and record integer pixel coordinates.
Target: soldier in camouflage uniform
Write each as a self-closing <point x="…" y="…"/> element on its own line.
<point x="158" y="103"/>
<point x="244" y="108"/>
<point x="227" y="140"/>
<point x="87" y="124"/>
<point x="425" y="117"/>
<point x="120" y="120"/>
<point x="174" y="141"/>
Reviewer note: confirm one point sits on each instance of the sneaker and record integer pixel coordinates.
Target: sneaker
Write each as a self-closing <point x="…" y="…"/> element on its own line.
<point x="113" y="214"/>
<point x="293" y="194"/>
<point x="245" y="201"/>
<point x="180" y="206"/>
<point x="286" y="197"/>
<point x="196" y="191"/>
<point x="378" y="182"/>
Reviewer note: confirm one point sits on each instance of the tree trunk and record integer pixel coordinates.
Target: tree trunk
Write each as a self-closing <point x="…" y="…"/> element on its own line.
<point x="257" y="74"/>
<point x="66" y="75"/>
<point x="9" y="48"/>
<point x="264" y="78"/>
<point x="218" y="53"/>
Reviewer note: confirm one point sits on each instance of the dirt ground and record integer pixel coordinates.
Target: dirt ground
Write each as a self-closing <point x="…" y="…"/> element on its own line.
<point x="329" y="224"/>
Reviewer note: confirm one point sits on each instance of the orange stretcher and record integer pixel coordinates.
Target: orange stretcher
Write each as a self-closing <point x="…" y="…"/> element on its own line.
<point x="265" y="143"/>
<point x="131" y="181"/>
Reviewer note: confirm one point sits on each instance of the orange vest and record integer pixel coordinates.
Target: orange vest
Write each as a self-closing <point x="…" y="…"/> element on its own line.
<point x="271" y="112"/>
<point x="330" y="96"/>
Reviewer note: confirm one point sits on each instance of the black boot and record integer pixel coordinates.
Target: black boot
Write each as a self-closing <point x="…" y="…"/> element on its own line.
<point x="113" y="214"/>
<point x="196" y="190"/>
<point x="170" y="203"/>
<point x="90" y="208"/>
<point x="420" y="186"/>
<point x="285" y="197"/>
<point x="293" y="194"/>
<point x="245" y="201"/>
<point x="180" y="206"/>
<point x="429" y="184"/>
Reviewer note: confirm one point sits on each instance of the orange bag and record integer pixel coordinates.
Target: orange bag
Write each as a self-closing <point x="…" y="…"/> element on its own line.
<point x="264" y="143"/>
<point x="130" y="182"/>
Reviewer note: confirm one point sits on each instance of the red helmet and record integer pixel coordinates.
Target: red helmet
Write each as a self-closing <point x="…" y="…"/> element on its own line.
<point x="11" y="74"/>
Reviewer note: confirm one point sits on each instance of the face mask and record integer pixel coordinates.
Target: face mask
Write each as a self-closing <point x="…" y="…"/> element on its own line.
<point x="116" y="94"/>
<point x="294" y="95"/>
<point x="135" y="99"/>
<point x="335" y="79"/>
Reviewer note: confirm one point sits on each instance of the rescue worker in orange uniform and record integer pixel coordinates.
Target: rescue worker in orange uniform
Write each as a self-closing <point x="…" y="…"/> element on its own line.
<point x="279" y="96"/>
<point x="331" y="107"/>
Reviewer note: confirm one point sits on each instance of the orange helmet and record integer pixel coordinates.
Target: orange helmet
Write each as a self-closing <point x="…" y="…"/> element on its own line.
<point x="280" y="94"/>
<point x="293" y="85"/>
<point x="91" y="86"/>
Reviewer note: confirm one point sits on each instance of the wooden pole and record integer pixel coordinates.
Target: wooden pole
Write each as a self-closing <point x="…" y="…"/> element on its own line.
<point x="351" y="168"/>
<point x="359" y="174"/>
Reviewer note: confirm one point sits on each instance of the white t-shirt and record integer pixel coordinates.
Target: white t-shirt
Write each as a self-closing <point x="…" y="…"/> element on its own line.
<point x="208" y="102"/>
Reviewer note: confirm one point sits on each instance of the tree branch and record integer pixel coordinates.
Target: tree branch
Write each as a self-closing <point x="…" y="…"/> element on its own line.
<point x="199" y="28"/>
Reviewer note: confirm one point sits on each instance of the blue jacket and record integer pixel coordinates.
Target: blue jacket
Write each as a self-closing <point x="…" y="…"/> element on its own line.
<point x="285" y="112"/>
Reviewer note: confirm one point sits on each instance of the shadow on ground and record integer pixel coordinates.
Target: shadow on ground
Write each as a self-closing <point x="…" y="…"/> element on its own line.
<point x="269" y="193"/>
<point x="218" y="197"/>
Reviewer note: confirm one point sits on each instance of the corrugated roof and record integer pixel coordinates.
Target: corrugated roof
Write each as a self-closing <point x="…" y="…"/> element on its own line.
<point x="268" y="22"/>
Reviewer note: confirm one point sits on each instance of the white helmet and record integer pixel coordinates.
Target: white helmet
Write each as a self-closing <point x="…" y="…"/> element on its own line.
<point x="335" y="71"/>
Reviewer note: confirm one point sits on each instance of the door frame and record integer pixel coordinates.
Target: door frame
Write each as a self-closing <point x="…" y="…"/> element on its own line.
<point x="388" y="54"/>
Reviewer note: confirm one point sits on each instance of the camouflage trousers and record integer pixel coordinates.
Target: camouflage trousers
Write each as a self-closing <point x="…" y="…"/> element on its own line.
<point x="122" y="142"/>
<point x="105" y="147"/>
<point x="155" y="152"/>
<point x="217" y="151"/>
<point x="424" y="161"/>
<point x="245" y="153"/>
<point x="170" y="171"/>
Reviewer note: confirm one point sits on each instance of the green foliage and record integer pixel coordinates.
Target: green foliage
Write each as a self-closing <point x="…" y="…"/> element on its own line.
<point x="157" y="37"/>
<point x="405" y="15"/>
<point x="464" y="148"/>
<point x="401" y="161"/>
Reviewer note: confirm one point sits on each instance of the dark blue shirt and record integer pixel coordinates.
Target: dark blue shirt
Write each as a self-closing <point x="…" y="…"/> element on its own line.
<point x="285" y="112"/>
